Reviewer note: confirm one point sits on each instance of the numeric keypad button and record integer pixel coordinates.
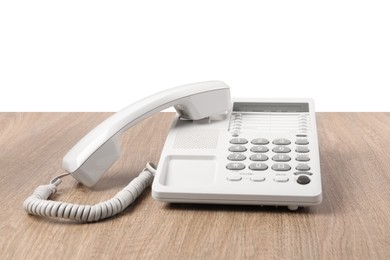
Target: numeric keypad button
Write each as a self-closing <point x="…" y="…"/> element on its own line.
<point x="235" y="166"/>
<point x="281" y="158"/>
<point x="281" y="167"/>
<point x="236" y="157"/>
<point x="302" y="149"/>
<point x="281" y="149"/>
<point x="281" y="141"/>
<point x="260" y="141"/>
<point x="258" y="157"/>
<point x="303" y="158"/>
<point x="302" y="167"/>
<point x="237" y="148"/>
<point x="302" y="141"/>
<point x="238" y="141"/>
<point x="259" y="149"/>
<point x="258" y="166"/>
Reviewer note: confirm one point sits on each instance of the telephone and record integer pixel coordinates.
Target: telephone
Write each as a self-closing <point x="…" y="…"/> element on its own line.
<point x="246" y="151"/>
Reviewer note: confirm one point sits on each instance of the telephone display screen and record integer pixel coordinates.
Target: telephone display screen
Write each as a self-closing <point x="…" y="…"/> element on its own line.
<point x="270" y="107"/>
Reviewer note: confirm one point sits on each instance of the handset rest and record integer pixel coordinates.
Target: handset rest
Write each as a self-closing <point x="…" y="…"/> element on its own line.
<point x="99" y="149"/>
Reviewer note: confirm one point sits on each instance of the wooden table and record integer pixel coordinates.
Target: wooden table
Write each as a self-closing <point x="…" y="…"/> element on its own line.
<point x="352" y="222"/>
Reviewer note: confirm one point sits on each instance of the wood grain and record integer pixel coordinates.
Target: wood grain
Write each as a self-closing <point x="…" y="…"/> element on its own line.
<point x="351" y="223"/>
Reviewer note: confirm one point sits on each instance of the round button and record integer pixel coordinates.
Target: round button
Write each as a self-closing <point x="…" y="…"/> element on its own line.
<point x="303" y="179"/>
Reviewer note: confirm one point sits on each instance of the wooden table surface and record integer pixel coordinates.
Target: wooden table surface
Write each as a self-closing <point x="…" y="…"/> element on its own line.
<point x="353" y="221"/>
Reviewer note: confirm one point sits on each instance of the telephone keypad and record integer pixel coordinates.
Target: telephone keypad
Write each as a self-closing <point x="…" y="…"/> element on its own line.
<point x="258" y="151"/>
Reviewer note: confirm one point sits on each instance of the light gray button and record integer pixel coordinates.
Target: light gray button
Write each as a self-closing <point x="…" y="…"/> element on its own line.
<point x="302" y="149"/>
<point x="234" y="178"/>
<point x="281" y="179"/>
<point x="257" y="178"/>
<point x="259" y="149"/>
<point x="259" y="157"/>
<point x="281" y="167"/>
<point x="260" y="141"/>
<point x="302" y="167"/>
<point x="300" y="173"/>
<point x="303" y="158"/>
<point x="236" y="157"/>
<point x="281" y="158"/>
<point x="302" y="141"/>
<point x="281" y="149"/>
<point x="238" y="141"/>
<point x="281" y="141"/>
<point x="235" y="166"/>
<point x="237" y="148"/>
<point x="258" y="166"/>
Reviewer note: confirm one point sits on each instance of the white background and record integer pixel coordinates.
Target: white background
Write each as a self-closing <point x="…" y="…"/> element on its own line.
<point x="104" y="55"/>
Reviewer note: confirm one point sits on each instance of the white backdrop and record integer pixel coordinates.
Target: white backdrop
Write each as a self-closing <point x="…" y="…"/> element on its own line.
<point x="103" y="55"/>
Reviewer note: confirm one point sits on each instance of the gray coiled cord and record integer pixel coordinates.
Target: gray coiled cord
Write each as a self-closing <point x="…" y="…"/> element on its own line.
<point x="38" y="203"/>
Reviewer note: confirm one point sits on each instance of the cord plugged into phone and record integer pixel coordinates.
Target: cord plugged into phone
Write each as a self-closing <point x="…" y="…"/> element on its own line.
<point x="251" y="151"/>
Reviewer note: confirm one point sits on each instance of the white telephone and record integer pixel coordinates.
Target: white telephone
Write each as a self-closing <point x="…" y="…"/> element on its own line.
<point x="249" y="151"/>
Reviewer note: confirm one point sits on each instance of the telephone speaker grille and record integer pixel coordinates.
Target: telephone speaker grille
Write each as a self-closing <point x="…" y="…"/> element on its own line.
<point x="197" y="139"/>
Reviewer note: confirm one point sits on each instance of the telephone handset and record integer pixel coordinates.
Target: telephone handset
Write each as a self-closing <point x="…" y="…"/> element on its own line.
<point x="96" y="152"/>
<point x="256" y="151"/>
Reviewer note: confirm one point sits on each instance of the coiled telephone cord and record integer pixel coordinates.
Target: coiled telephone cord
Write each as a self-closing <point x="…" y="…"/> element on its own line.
<point x="38" y="203"/>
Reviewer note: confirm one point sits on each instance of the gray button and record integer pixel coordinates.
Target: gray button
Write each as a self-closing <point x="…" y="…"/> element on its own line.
<point x="258" y="178"/>
<point x="237" y="148"/>
<point x="300" y="173"/>
<point x="234" y="178"/>
<point x="281" y="149"/>
<point x="281" y="179"/>
<point x="236" y="157"/>
<point x="302" y="149"/>
<point x="258" y="166"/>
<point x="302" y="141"/>
<point x="235" y="166"/>
<point x="238" y="141"/>
<point x="259" y="149"/>
<point x="260" y="141"/>
<point x="281" y="158"/>
<point x="259" y="157"/>
<point x="303" y="179"/>
<point x="303" y="158"/>
<point x="281" y="141"/>
<point x="281" y="167"/>
<point x="302" y="167"/>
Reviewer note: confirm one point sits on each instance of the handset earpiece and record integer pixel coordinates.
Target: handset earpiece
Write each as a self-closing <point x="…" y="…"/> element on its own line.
<point x="100" y="148"/>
